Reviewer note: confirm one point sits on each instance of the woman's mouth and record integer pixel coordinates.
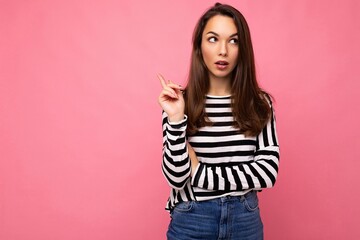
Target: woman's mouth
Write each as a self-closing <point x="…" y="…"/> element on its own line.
<point x="221" y="65"/>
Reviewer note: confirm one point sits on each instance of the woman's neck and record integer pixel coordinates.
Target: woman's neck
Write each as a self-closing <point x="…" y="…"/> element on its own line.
<point x="219" y="86"/>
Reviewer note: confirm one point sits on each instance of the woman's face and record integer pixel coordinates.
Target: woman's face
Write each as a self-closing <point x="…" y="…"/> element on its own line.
<point x="219" y="47"/>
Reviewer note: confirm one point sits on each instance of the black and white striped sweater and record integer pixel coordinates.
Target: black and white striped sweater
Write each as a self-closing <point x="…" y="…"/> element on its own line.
<point x="230" y="163"/>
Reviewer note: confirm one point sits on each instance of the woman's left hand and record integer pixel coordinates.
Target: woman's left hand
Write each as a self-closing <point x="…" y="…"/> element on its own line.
<point x="193" y="158"/>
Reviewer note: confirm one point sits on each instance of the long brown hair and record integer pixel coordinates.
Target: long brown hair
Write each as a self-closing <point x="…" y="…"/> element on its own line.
<point x="250" y="107"/>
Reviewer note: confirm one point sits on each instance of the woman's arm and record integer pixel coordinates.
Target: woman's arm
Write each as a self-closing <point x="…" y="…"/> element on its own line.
<point x="175" y="162"/>
<point x="261" y="173"/>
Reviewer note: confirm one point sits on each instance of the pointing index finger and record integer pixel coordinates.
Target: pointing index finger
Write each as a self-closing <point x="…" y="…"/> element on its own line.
<point x="162" y="80"/>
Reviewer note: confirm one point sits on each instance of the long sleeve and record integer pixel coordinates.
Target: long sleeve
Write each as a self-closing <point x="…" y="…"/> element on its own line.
<point x="176" y="165"/>
<point x="257" y="174"/>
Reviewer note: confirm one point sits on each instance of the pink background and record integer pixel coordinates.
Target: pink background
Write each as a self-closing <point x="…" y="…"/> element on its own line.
<point x="80" y="126"/>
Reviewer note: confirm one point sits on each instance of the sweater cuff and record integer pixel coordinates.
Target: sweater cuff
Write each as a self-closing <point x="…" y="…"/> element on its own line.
<point x="179" y="125"/>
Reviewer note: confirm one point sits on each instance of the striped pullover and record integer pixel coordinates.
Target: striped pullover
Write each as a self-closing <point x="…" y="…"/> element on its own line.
<point x="230" y="163"/>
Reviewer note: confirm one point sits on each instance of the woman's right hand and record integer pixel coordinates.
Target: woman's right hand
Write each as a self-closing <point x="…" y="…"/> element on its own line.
<point x="171" y="100"/>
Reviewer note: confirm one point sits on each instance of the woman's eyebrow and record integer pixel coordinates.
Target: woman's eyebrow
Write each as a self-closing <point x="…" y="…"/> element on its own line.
<point x="232" y="35"/>
<point x="213" y="33"/>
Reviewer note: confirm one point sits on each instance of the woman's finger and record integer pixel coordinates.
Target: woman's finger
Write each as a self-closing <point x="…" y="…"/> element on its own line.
<point x="171" y="90"/>
<point x="176" y="86"/>
<point x="167" y="93"/>
<point x="162" y="80"/>
<point x="169" y="84"/>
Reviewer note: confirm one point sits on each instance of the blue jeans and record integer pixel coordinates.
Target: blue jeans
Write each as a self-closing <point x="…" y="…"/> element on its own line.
<point x="222" y="218"/>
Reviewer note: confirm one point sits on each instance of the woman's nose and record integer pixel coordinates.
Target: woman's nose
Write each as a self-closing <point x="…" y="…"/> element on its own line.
<point x="223" y="49"/>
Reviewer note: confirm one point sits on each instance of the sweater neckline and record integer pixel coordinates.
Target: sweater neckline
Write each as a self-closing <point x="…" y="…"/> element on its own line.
<point x="218" y="96"/>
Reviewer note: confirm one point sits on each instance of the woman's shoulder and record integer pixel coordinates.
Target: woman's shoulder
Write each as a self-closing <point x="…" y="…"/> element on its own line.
<point x="267" y="97"/>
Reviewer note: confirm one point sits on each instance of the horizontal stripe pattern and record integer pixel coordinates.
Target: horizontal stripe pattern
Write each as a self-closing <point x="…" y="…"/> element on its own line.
<point x="230" y="162"/>
<point x="176" y="165"/>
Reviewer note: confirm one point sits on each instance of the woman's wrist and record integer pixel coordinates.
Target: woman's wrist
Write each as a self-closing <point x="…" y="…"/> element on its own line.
<point x="176" y="117"/>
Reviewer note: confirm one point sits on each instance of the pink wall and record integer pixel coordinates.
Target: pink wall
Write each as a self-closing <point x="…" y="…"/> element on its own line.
<point x="80" y="127"/>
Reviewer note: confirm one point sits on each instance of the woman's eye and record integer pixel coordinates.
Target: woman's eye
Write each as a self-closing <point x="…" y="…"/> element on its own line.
<point x="234" y="41"/>
<point x="212" y="39"/>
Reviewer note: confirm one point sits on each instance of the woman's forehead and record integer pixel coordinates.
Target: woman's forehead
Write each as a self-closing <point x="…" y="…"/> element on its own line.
<point x="220" y="25"/>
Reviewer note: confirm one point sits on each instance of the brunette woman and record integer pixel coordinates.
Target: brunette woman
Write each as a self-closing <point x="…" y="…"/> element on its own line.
<point x="220" y="146"/>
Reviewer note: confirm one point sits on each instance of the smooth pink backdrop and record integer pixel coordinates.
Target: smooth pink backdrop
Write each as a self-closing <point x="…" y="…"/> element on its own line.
<point x="80" y="127"/>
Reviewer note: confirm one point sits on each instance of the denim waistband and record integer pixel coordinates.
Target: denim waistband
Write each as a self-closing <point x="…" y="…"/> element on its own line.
<point x="230" y="198"/>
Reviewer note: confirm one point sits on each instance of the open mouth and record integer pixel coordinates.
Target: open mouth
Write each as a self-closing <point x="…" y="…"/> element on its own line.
<point x="224" y="63"/>
<point x="221" y="65"/>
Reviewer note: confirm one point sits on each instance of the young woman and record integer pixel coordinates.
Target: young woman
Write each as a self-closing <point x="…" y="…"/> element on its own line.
<point x="219" y="136"/>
